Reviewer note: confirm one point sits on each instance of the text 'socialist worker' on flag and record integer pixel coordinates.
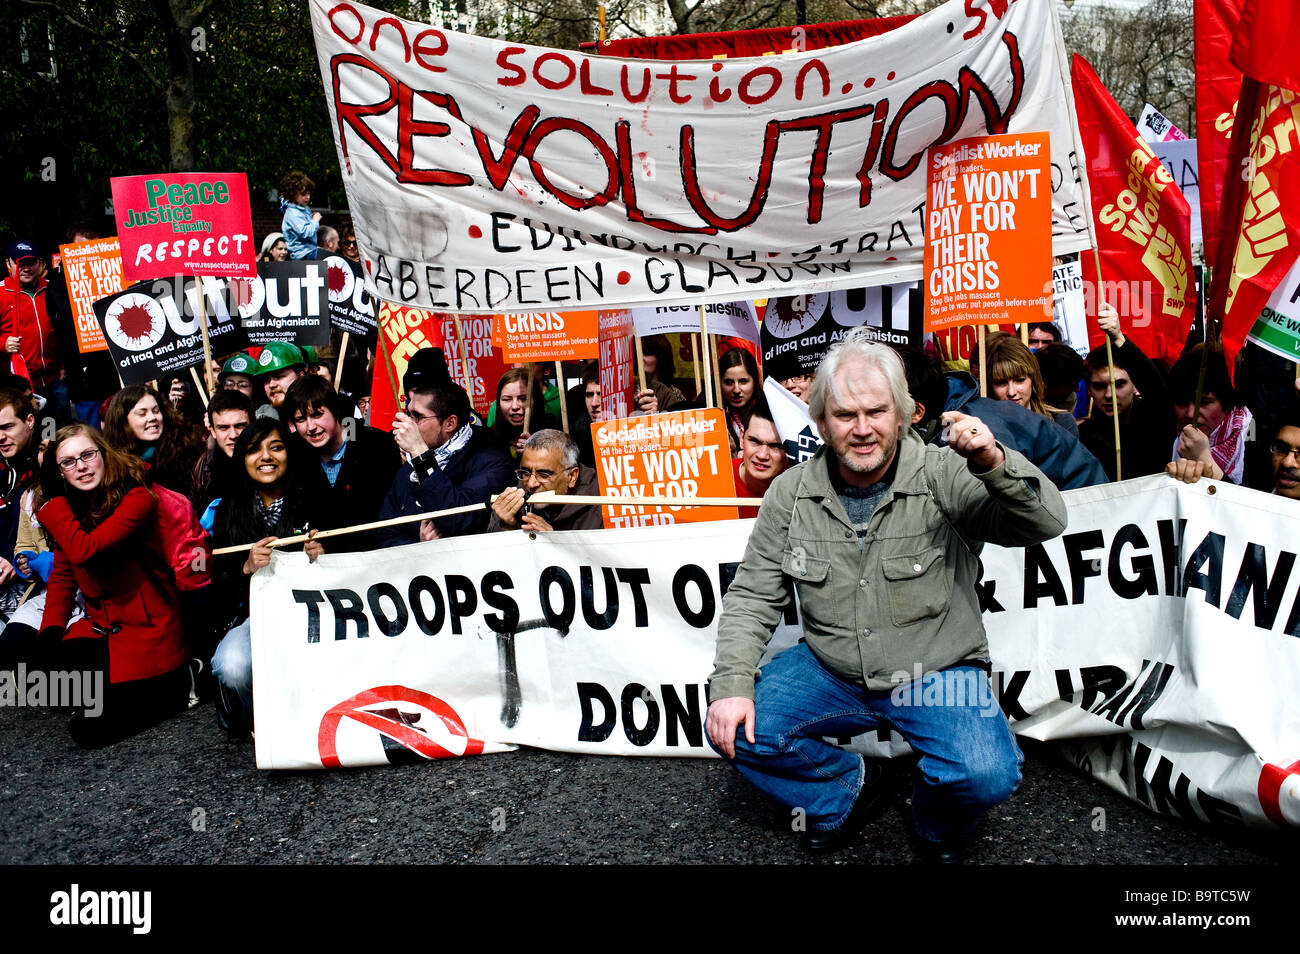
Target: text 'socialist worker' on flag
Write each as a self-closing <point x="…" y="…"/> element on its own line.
<point x="1260" y="240"/>
<point x="1143" y="226"/>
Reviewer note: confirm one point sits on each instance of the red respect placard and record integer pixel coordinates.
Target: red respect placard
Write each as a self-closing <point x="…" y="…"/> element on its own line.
<point x="184" y="223"/>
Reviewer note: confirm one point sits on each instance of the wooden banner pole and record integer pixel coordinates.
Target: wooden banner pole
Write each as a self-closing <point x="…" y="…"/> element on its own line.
<point x="698" y="350"/>
<point x="717" y="373"/>
<point x="198" y="383"/>
<point x="708" y="382"/>
<point x="564" y="396"/>
<point x="203" y="330"/>
<point x="640" y="362"/>
<point x="1110" y="371"/>
<point x="338" y="370"/>
<point x="528" y="405"/>
<point x="542" y="497"/>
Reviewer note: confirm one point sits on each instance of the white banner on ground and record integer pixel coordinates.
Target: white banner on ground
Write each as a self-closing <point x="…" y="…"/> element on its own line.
<point x="737" y="319"/>
<point x="485" y="176"/>
<point x="602" y="642"/>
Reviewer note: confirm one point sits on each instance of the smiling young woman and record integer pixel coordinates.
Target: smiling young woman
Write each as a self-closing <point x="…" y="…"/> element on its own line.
<point x="740" y="387"/>
<point x="512" y="403"/>
<point x="1014" y="375"/>
<point x="138" y="422"/>
<point x="104" y="523"/>
<point x="278" y="492"/>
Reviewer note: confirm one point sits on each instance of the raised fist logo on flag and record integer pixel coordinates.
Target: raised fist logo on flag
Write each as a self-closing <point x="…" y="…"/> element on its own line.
<point x="1263" y="233"/>
<point x="1168" y="265"/>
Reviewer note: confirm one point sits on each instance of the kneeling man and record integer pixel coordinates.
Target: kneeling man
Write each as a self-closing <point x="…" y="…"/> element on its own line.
<point x="878" y="534"/>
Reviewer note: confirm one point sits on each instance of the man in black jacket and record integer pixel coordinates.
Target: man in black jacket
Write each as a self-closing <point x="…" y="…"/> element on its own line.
<point x="359" y="462"/>
<point x="1147" y="424"/>
<point x="452" y="462"/>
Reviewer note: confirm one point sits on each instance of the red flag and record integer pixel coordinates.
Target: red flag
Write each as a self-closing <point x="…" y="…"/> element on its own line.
<point x="1261" y="209"/>
<point x="1266" y="42"/>
<point x="1143" y="225"/>
<point x="18" y="367"/>
<point x="402" y="332"/>
<point x="1217" y="83"/>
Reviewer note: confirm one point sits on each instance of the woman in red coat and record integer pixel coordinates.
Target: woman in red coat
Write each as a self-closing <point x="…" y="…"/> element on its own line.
<point x="104" y="523"/>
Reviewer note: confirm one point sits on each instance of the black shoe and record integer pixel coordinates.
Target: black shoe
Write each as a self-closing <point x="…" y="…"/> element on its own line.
<point x="864" y="809"/>
<point x="951" y="851"/>
<point x="233" y="715"/>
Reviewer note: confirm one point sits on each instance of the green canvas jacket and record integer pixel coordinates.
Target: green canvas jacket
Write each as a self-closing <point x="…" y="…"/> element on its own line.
<point x="907" y="597"/>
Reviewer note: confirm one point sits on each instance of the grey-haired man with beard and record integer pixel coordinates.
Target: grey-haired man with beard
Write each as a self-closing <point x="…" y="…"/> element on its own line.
<point x="878" y="534"/>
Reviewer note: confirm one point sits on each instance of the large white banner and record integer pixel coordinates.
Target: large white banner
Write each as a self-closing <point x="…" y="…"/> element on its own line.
<point x="1159" y="632"/>
<point x="488" y="177"/>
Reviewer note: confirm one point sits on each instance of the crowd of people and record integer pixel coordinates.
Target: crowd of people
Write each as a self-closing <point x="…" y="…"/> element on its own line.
<point x="111" y="498"/>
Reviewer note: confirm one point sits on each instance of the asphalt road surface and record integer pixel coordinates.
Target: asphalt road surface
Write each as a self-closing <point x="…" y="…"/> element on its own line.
<point x="181" y="794"/>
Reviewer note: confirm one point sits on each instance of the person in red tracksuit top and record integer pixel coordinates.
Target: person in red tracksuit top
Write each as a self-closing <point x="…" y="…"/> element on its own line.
<point x="25" y="328"/>
<point x="103" y="520"/>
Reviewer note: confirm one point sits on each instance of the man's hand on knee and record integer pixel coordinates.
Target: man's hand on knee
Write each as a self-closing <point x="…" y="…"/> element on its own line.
<point x="725" y="715"/>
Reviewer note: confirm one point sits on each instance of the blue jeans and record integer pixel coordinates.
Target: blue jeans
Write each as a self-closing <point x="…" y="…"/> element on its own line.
<point x="232" y="663"/>
<point x="969" y="760"/>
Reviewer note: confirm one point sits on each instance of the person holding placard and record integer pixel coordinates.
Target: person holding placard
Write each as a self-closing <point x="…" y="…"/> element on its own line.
<point x="580" y="429"/>
<point x="1141" y="399"/>
<point x="25" y="327"/>
<point x="277" y="493"/>
<point x="549" y="462"/>
<point x="1216" y="432"/>
<point x="91" y="376"/>
<point x="451" y="461"/>
<point x="358" y="461"/>
<point x="659" y="376"/>
<point x="512" y="407"/>
<point x="1013" y="375"/>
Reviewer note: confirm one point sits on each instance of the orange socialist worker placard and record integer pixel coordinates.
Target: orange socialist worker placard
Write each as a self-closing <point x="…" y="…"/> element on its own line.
<point x="678" y="454"/>
<point x="988" y="243"/>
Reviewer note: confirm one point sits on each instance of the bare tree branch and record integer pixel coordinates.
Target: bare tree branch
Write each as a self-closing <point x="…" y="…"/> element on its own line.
<point x="98" y="34"/>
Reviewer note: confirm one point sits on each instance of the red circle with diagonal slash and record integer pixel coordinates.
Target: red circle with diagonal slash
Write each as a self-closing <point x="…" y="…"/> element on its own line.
<point x="418" y="742"/>
<point x="1271" y="778"/>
